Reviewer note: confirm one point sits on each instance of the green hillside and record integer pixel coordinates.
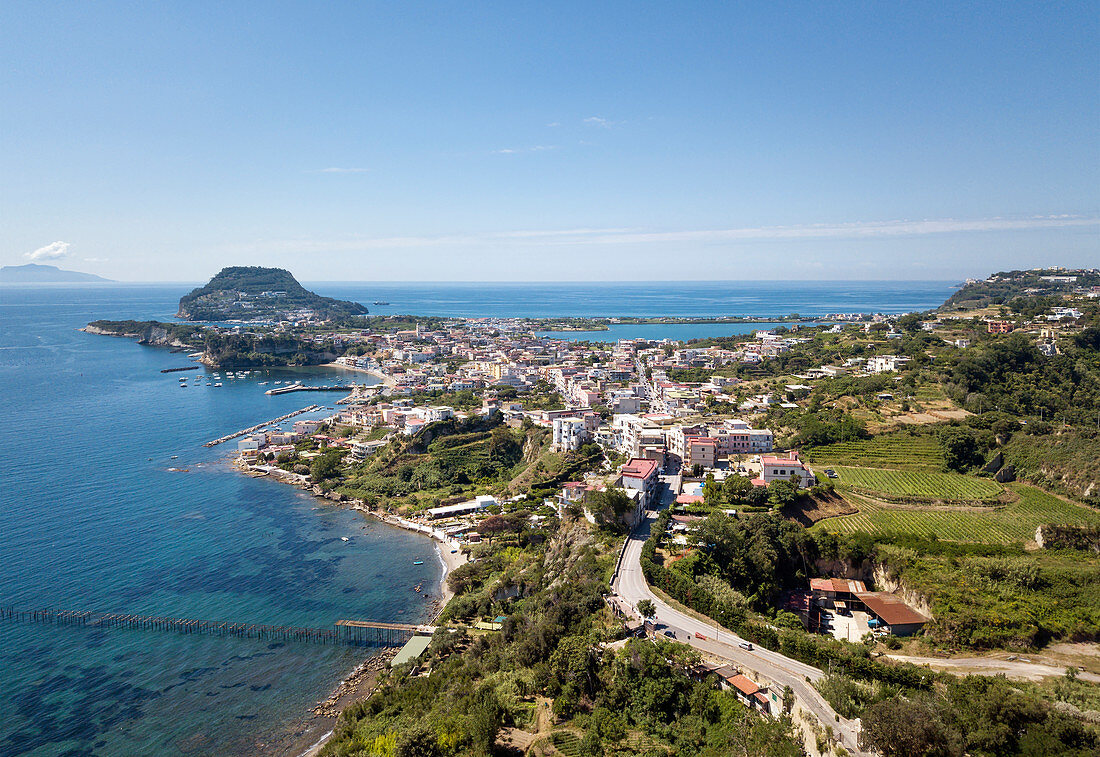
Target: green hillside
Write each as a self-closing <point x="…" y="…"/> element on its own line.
<point x="256" y="293"/>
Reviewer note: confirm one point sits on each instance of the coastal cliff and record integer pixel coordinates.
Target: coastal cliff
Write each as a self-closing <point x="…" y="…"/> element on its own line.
<point x="151" y="333"/>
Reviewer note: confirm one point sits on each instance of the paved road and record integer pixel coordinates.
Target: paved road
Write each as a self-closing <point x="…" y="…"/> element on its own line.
<point x="631" y="587"/>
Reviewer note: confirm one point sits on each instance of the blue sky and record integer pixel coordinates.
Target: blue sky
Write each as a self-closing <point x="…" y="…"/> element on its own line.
<point x="558" y="141"/>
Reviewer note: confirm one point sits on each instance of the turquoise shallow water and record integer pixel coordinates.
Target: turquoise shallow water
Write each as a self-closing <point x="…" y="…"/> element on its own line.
<point x="91" y="518"/>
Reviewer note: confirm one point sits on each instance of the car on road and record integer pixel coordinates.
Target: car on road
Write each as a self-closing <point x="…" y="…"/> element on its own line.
<point x="670" y="634"/>
<point x="745" y="645"/>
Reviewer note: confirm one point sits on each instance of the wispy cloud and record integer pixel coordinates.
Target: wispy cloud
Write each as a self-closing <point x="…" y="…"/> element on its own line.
<point x="520" y="150"/>
<point x="96" y="260"/>
<point x="52" y="251"/>
<point x="341" y="170"/>
<point x="635" y="236"/>
<point x="553" y="124"/>
<point x="602" y="123"/>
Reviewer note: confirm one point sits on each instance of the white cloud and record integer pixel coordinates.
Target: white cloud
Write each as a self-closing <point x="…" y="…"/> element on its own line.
<point x="613" y="236"/>
<point x="96" y="260"/>
<point x="552" y="124"/>
<point x="603" y="123"/>
<point x="518" y="150"/>
<point x="52" y="251"/>
<point x="342" y="170"/>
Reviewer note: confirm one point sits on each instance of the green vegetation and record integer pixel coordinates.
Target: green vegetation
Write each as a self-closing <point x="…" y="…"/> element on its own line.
<point x="1010" y="601"/>
<point x="447" y="458"/>
<point x="899" y="451"/>
<point x="1067" y="462"/>
<point x="547" y="673"/>
<point x="253" y="292"/>
<point x="983" y="717"/>
<point x="152" y="332"/>
<point x="1011" y="374"/>
<point x="920" y="485"/>
<point x="1011" y="285"/>
<point x="227" y="350"/>
<point x="1014" y="523"/>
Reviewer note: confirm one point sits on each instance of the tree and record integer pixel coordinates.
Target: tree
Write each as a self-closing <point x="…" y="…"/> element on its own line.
<point x="647" y="609"/>
<point x="325" y="466"/>
<point x="492" y="526"/>
<point x="712" y="491"/>
<point x="782" y="493"/>
<point x="960" y="448"/>
<point x="736" y="488"/>
<point x="418" y="742"/>
<point x="899" y="727"/>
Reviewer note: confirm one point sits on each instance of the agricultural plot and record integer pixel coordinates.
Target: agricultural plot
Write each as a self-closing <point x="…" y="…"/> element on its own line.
<point x="924" y="485"/>
<point x="886" y="451"/>
<point x="1011" y="524"/>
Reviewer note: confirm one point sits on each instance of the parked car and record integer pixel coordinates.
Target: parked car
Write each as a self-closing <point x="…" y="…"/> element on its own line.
<point x="831" y="473"/>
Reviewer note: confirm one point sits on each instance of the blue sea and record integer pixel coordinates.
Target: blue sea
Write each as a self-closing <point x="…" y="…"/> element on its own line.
<point x="92" y="517"/>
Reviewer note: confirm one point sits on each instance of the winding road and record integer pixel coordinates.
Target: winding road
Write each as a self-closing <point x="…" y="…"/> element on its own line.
<point x="630" y="587"/>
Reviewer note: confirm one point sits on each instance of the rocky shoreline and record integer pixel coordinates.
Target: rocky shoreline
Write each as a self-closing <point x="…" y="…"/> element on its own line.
<point x="306" y="738"/>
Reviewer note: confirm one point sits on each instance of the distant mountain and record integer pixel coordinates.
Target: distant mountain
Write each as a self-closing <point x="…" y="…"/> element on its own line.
<point x="255" y="293"/>
<point x="35" y="273"/>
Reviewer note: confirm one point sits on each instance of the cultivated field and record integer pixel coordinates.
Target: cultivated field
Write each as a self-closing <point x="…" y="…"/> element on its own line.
<point x="887" y="451"/>
<point x="921" y="484"/>
<point x="1013" y="523"/>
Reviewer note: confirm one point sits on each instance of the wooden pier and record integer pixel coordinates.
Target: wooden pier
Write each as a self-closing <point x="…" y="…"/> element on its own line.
<point x="345" y="632"/>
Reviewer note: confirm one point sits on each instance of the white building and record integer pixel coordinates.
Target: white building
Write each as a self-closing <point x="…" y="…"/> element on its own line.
<point x="885" y="363"/>
<point x="569" y="434"/>
<point x="784" y="468"/>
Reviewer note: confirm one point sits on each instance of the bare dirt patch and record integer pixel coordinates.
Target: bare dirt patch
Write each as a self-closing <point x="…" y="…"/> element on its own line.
<point x="814" y="509"/>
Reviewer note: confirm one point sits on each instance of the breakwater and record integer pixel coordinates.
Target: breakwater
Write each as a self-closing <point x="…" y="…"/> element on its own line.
<point x="302" y="388"/>
<point x="258" y="426"/>
<point x="182" y="368"/>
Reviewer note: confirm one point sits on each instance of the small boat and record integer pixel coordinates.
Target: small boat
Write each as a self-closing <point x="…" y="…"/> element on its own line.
<point x="344" y="538"/>
<point x="174" y="457"/>
<point x="218" y="384"/>
<point x="208" y="383"/>
<point x="380" y="302"/>
<point x="263" y="383"/>
<point x="418" y="562"/>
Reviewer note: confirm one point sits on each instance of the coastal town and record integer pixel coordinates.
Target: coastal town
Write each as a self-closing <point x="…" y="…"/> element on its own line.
<point x="550" y="379"/>
<point x="495" y="440"/>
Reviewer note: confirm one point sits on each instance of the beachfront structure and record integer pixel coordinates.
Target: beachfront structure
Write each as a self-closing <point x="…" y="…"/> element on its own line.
<point x="478" y="504"/>
<point x="307" y="427"/>
<point x="785" y="469"/>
